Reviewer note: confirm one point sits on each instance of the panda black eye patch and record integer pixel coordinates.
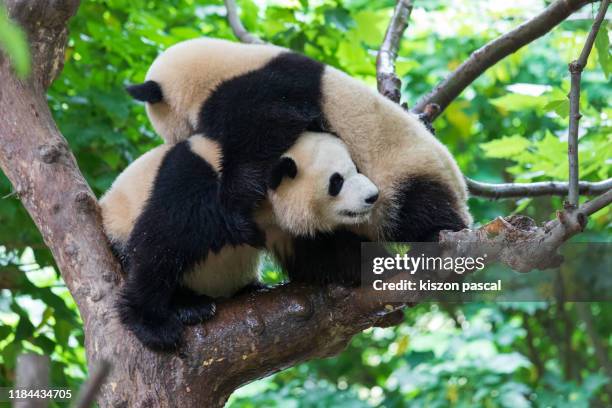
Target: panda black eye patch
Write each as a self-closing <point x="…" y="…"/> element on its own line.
<point x="335" y="184"/>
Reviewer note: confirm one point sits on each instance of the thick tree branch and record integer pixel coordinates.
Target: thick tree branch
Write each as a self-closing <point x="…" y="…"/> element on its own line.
<point x="388" y="83"/>
<point x="537" y="189"/>
<point x="234" y="21"/>
<point x="575" y="69"/>
<point x="492" y="52"/>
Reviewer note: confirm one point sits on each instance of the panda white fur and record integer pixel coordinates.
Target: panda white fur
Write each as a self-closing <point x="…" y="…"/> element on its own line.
<point x="182" y="249"/>
<point x="259" y="98"/>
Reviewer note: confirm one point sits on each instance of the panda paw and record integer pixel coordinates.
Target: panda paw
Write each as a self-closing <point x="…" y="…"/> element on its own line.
<point x="247" y="231"/>
<point x="192" y="308"/>
<point x="163" y="335"/>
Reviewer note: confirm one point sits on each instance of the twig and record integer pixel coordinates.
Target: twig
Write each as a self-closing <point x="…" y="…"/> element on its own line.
<point x="388" y="83"/>
<point x="596" y="204"/>
<point x="482" y="59"/>
<point x="237" y="27"/>
<point x="537" y="189"/>
<point x="575" y="69"/>
<point x="90" y="389"/>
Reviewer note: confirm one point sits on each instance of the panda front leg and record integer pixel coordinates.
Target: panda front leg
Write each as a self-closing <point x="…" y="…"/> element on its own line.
<point x="426" y="207"/>
<point x="241" y="190"/>
<point x="144" y="303"/>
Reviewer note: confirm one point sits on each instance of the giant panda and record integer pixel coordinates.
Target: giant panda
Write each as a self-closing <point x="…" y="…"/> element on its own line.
<point x="182" y="249"/>
<point x="259" y="98"/>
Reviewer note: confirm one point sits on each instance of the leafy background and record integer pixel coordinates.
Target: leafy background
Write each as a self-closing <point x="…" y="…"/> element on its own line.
<point x="511" y="124"/>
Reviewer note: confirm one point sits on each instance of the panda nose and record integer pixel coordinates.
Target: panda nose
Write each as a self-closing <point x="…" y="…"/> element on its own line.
<point x="372" y="199"/>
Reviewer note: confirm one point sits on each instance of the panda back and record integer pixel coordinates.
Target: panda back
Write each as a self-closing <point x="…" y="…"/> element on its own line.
<point x="124" y="201"/>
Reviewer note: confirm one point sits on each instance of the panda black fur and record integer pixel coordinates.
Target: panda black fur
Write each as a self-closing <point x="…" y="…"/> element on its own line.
<point x="182" y="249"/>
<point x="261" y="97"/>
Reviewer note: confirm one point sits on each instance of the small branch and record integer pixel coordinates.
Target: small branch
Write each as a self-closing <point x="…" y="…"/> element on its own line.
<point x="575" y="69"/>
<point x="32" y="374"/>
<point x="237" y="27"/>
<point x="544" y="188"/>
<point x="388" y="83"/>
<point x="488" y="55"/>
<point x="90" y="390"/>
<point x="596" y="204"/>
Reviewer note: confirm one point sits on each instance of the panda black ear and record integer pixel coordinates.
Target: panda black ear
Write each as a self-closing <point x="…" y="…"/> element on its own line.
<point x="150" y="91"/>
<point x="285" y="167"/>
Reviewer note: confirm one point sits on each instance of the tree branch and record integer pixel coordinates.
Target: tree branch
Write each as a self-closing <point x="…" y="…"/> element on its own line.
<point x="488" y="55"/>
<point x="575" y="69"/>
<point x="234" y="21"/>
<point x="388" y="83"/>
<point x="537" y="189"/>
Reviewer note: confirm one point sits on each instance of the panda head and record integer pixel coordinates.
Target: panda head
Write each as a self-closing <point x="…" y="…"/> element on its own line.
<point x="315" y="187"/>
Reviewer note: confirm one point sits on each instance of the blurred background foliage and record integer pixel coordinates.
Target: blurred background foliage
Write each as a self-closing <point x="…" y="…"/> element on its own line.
<point x="511" y="124"/>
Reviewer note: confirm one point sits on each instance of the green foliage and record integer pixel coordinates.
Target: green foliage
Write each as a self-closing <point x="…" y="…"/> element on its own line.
<point x="602" y="45"/>
<point x="13" y="41"/>
<point x="510" y="124"/>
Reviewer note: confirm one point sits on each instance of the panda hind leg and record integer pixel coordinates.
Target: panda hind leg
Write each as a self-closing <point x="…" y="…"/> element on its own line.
<point x="191" y="308"/>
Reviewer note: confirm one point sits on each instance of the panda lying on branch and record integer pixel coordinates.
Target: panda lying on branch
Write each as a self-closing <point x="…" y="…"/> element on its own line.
<point x="182" y="249"/>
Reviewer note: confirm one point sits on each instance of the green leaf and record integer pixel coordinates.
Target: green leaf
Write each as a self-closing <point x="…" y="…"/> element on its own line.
<point x="339" y="18"/>
<point x="14" y="42"/>
<point x="46" y="344"/>
<point x="602" y="44"/>
<point x="518" y="102"/>
<point x="559" y="106"/>
<point x="5" y="331"/>
<point x="506" y="147"/>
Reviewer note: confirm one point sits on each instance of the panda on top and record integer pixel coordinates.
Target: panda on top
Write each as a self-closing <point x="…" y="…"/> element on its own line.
<point x="255" y="100"/>
<point x="182" y="249"/>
